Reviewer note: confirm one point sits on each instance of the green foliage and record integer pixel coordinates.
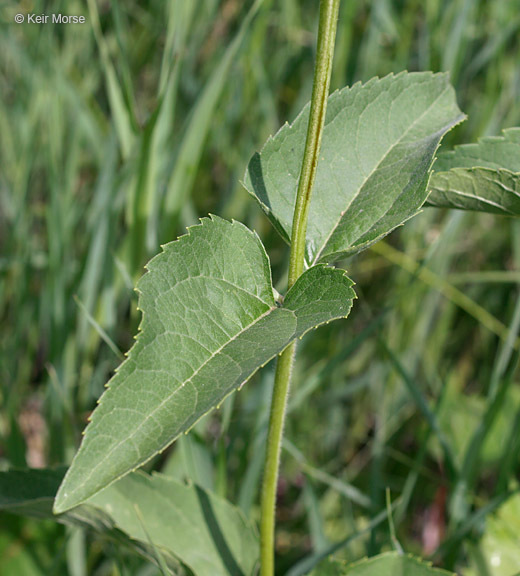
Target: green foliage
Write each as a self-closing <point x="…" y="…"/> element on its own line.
<point x="496" y="152"/>
<point x="209" y="322"/>
<point x="494" y="191"/>
<point x="390" y="564"/>
<point x="82" y="207"/>
<point x="329" y="567"/>
<point x="379" y="142"/>
<point x="142" y="508"/>
<point x="484" y="176"/>
<point x="210" y="319"/>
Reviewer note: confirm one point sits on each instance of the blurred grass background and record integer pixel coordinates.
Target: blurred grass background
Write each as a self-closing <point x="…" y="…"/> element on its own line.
<point x="117" y="134"/>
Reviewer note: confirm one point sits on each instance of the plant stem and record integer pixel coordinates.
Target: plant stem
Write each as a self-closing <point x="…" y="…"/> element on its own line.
<point x="320" y="91"/>
<point x="282" y="381"/>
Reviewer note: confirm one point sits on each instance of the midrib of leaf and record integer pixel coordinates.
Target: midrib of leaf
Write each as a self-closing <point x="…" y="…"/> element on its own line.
<point x="480" y="199"/>
<point x="376" y="167"/>
<point x="168" y="399"/>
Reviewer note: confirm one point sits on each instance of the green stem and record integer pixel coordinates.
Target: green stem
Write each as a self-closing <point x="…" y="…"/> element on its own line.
<point x="320" y="92"/>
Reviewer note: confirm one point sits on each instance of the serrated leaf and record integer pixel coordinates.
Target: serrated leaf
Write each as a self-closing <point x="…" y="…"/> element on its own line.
<point x="330" y="567"/>
<point x="480" y="189"/>
<point x="390" y="564"/>
<point x="209" y="322"/>
<point x="185" y="523"/>
<point x="378" y="145"/>
<point x="496" y="152"/>
<point x="484" y="176"/>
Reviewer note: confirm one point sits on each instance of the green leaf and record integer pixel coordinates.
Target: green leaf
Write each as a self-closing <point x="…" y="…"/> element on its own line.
<point x="378" y="146"/>
<point x="480" y="189"/>
<point x="391" y="564"/>
<point x="329" y="567"/>
<point x="496" y="152"/>
<point x="483" y="176"/>
<point x="185" y="523"/>
<point x="209" y="322"/>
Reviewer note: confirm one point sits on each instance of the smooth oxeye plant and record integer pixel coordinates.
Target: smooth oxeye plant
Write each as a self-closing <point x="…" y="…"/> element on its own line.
<point x="349" y="170"/>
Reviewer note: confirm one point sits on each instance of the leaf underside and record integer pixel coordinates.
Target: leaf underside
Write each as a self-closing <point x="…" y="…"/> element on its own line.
<point x="209" y="322"/>
<point x="496" y="152"/>
<point x="378" y="146"/>
<point x="389" y="564"/>
<point x="479" y="189"/>
<point x="185" y="523"/>
<point x="484" y="176"/>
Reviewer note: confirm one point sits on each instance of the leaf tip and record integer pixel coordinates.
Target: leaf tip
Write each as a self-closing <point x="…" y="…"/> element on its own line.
<point x="65" y="499"/>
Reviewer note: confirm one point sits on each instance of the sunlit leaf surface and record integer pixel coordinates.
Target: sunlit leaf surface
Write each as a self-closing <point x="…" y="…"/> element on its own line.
<point x="209" y="322"/>
<point x="379" y="142"/>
